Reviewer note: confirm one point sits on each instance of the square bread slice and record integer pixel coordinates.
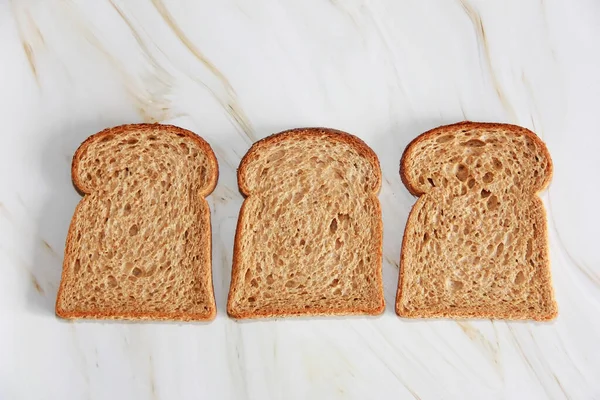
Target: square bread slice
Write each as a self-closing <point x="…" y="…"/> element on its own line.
<point x="139" y="244"/>
<point x="475" y="244"/>
<point x="309" y="234"/>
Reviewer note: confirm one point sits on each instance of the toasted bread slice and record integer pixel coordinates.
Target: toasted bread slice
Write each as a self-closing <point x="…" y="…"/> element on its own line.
<point x="475" y="244"/>
<point x="139" y="244"/>
<point x="309" y="234"/>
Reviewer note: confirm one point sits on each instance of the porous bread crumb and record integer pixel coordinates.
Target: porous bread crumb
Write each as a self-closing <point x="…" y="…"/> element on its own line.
<point x="139" y="244"/>
<point x="309" y="236"/>
<point x="475" y="244"/>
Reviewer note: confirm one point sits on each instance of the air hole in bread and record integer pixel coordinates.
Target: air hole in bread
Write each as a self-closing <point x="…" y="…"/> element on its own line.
<point x="462" y="172"/>
<point x="493" y="203"/>
<point x="444" y="139"/>
<point x="431" y="182"/>
<point x="112" y="281"/>
<point x="77" y="265"/>
<point x="270" y="279"/>
<point x="485" y="193"/>
<point x="333" y="226"/>
<point x="488" y="177"/>
<point x="136" y="272"/>
<point x="297" y="197"/>
<point x="338" y="244"/>
<point x="454" y="285"/>
<point x="133" y="230"/>
<point x="132" y="141"/>
<point x="290" y="283"/>
<point x="251" y="299"/>
<point x="471" y="183"/>
<point x="519" y="278"/>
<point x="499" y="249"/>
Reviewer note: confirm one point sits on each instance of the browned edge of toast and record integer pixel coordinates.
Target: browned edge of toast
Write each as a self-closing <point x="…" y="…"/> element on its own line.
<point x="403" y="176"/>
<point x="80" y="188"/>
<point x="334" y="134"/>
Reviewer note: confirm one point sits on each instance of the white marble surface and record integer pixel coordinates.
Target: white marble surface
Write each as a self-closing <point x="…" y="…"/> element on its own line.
<point x="236" y="71"/>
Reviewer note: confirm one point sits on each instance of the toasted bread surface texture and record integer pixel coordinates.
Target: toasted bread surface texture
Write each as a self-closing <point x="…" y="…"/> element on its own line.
<point x="139" y="243"/>
<point x="309" y="234"/>
<point x="475" y="244"/>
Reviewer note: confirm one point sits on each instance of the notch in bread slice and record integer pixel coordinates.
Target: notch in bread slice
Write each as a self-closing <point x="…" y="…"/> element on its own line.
<point x="475" y="244"/>
<point x="139" y="244"/>
<point x="309" y="234"/>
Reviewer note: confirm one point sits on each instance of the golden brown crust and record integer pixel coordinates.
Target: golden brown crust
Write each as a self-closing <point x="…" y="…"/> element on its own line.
<point x="116" y="314"/>
<point x="467" y="312"/>
<point x="442" y="130"/>
<point x="137" y="316"/>
<point x="365" y="151"/>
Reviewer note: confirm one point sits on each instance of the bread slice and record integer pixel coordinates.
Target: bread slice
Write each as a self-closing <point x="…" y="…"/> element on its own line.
<point x="475" y="244"/>
<point x="309" y="234"/>
<point x="139" y="244"/>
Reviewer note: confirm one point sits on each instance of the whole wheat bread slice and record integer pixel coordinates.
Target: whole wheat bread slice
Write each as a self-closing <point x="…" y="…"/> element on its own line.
<point x="475" y="244"/>
<point x="139" y="244"/>
<point x="309" y="234"/>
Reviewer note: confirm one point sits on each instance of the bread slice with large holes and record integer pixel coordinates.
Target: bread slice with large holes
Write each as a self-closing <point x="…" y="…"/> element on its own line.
<point x="309" y="234"/>
<point x="139" y="244"/>
<point x="475" y="244"/>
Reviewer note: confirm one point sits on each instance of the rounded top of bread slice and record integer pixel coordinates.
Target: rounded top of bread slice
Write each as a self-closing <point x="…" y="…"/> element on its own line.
<point x="457" y="156"/>
<point x="256" y="169"/>
<point x="100" y="154"/>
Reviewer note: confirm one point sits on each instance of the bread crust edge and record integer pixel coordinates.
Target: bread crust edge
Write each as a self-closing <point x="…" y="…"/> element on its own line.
<point x="474" y="314"/>
<point x="110" y="315"/>
<point x="365" y="151"/>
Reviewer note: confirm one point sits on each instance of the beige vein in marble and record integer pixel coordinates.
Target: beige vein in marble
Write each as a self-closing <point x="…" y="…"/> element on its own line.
<point x="514" y="338"/>
<point x="491" y="352"/>
<point x="161" y="73"/>
<point x="31" y="38"/>
<point x="152" y="105"/>
<point x="152" y="378"/>
<point x="385" y="363"/>
<point x="235" y="358"/>
<point x="36" y="284"/>
<point x="230" y="105"/>
<point x="477" y="22"/>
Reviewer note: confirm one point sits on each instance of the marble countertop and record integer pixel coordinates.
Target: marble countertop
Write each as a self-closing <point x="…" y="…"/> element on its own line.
<point x="234" y="72"/>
